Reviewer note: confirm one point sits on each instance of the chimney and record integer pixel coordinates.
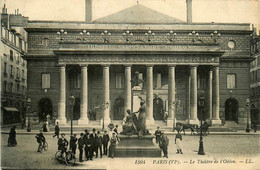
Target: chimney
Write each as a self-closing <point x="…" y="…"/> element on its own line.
<point x="189" y="11"/>
<point x="88" y="10"/>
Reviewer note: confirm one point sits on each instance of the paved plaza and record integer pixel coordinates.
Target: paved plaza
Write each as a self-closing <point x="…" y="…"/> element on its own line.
<point x="231" y="151"/>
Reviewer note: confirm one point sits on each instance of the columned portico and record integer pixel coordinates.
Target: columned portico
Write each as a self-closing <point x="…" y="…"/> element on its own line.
<point x="215" y="95"/>
<point x="128" y="93"/>
<point x="62" y="98"/>
<point x="171" y="97"/>
<point x="193" y="95"/>
<point x="210" y="94"/>
<point x="84" y="96"/>
<point x="106" y="104"/>
<point x="149" y="95"/>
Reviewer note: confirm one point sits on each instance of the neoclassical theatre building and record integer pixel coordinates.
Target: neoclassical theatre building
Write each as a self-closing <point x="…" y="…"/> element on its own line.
<point x="178" y="61"/>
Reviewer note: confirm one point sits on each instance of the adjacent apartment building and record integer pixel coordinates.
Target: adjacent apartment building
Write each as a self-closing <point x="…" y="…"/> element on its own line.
<point x="13" y="68"/>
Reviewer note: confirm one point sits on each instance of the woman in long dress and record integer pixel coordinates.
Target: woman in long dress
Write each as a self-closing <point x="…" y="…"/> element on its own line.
<point x="12" y="137"/>
<point x="178" y="139"/>
<point x="141" y="121"/>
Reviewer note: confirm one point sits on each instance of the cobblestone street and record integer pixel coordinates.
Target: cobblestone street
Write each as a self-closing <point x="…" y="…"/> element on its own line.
<point x="227" y="148"/>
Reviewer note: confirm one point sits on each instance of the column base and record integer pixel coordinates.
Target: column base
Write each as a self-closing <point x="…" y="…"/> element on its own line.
<point x="216" y="122"/>
<point x="149" y="122"/>
<point x="62" y="121"/>
<point x="194" y="121"/>
<point x="82" y="122"/>
<point x="170" y="123"/>
<point x="106" y="123"/>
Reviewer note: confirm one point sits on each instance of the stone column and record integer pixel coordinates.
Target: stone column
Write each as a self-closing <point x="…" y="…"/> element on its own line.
<point x="171" y="97"/>
<point x="193" y="96"/>
<point x="106" y="98"/>
<point x="128" y="90"/>
<point x="210" y="95"/>
<point x="215" y="96"/>
<point x="149" y="95"/>
<point x="84" y="96"/>
<point x="62" y="98"/>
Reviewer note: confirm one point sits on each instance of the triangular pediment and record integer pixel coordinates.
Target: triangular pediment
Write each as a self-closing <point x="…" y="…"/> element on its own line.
<point x="138" y="14"/>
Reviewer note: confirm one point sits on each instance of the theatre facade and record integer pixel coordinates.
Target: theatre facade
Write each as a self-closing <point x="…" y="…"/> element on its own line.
<point x="179" y="62"/>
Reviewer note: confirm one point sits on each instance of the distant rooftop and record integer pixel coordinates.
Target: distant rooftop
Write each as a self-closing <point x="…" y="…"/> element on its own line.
<point x="138" y="14"/>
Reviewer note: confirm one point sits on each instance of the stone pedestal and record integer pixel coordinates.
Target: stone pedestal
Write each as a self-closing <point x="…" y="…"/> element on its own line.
<point x="132" y="146"/>
<point x="216" y="121"/>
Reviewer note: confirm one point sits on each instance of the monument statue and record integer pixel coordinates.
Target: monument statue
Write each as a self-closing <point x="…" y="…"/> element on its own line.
<point x="135" y="123"/>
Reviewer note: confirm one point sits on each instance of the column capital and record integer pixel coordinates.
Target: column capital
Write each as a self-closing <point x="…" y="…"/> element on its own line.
<point x="149" y="65"/>
<point x="171" y="65"/>
<point x="61" y="65"/>
<point x="194" y="65"/>
<point x="105" y="65"/>
<point x="215" y="66"/>
<point x="127" y="65"/>
<point x="83" y="65"/>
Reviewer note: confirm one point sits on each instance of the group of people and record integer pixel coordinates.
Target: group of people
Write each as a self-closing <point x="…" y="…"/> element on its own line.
<point x="93" y="144"/>
<point x="163" y="141"/>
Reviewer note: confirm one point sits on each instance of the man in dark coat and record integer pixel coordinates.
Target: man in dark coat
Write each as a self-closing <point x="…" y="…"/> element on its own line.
<point x="93" y="136"/>
<point x="73" y="143"/>
<point x="81" y="146"/>
<point x="105" y="141"/>
<point x="99" y="144"/>
<point x="88" y="146"/>
<point x="62" y="144"/>
<point x="163" y="143"/>
<point x="40" y="139"/>
<point x="12" y="137"/>
<point x="157" y="134"/>
<point x="57" y="130"/>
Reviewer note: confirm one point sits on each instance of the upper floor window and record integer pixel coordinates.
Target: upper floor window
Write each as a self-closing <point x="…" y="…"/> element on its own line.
<point x="231" y="81"/>
<point x="5" y="67"/>
<point x="17" y="72"/>
<point x="5" y="86"/>
<point x="119" y="80"/>
<point x="18" y="88"/>
<point x="11" y="87"/>
<point x="11" y="55"/>
<point x="11" y="70"/>
<point x="23" y="74"/>
<point x="201" y="81"/>
<point x="77" y="80"/>
<point x="46" y="80"/>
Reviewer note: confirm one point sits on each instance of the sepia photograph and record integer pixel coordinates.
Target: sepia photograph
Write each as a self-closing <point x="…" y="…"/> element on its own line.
<point x="130" y="84"/>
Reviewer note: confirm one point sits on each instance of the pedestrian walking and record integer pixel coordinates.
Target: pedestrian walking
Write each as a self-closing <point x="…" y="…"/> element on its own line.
<point x="73" y="143"/>
<point x="105" y="142"/>
<point x="112" y="146"/>
<point x="163" y="143"/>
<point x="12" y="137"/>
<point x="44" y="127"/>
<point x="254" y="124"/>
<point x="157" y="134"/>
<point x="57" y="130"/>
<point x="93" y="136"/>
<point x="48" y="118"/>
<point x="88" y="147"/>
<point x="47" y="126"/>
<point x="81" y="145"/>
<point x="99" y="144"/>
<point x="178" y="139"/>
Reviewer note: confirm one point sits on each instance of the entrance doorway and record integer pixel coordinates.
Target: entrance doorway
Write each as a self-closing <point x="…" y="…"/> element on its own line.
<point x="119" y="108"/>
<point x="76" y="109"/>
<point x="158" y="108"/>
<point x="231" y="110"/>
<point x="45" y="108"/>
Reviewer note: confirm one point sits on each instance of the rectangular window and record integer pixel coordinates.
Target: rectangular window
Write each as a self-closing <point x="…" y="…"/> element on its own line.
<point x="5" y="67"/>
<point x="231" y="81"/>
<point x="17" y="72"/>
<point x="77" y="80"/>
<point x="46" y="81"/>
<point x="5" y="86"/>
<point x="18" y="88"/>
<point x="119" y="80"/>
<point x="11" y="87"/>
<point x="23" y="74"/>
<point x="201" y="81"/>
<point x="11" y="70"/>
<point x="11" y="55"/>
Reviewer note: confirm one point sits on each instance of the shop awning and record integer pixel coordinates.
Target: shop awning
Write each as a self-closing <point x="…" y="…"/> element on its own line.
<point x="11" y="109"/>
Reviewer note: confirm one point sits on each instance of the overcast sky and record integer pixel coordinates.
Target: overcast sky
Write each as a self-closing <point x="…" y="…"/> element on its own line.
<point x="226" y="11"/>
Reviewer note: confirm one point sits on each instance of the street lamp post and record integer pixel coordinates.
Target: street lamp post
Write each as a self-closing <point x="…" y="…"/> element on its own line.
<point x="71" y="102"/>
<point x="201" y="105"/>
<point x="248" y="111"/>
<point x="27" y="114"/>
